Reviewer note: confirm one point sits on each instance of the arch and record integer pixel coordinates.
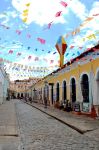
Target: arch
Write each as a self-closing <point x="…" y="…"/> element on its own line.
<point x="73" y="90"/>
<point x="85" y="87"/>
<point x="83" y="74"/>
<point x="57" y="92"/>
<point x="21" y="95"/>
<point x="64" y="91"/>
<point x="18" y="95"/>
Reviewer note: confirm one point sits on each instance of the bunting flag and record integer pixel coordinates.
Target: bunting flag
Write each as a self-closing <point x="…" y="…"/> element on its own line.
<point x="95" y="14"/>
<point x="4" y="26"/>
<point x="78" y="53"/>
<point x="42" y="41"/>
<point x="36" y="49"/>
<point x="18" y="54"/>
<point x="24" y="20"/>
<point x="10" y="51"/>
<point x="36" y="59"/>
<point x="28" y="4"/>
<point x="29" y="36"/>
<point x="49" y="25"/>
<point x="77" y="30"/>
<point x="18" y="32"/>
<point x="25" y="11"/>
<point x="29" y="57"/>
<point x="54" y="52"/>
<point x="58" y="14"/>
<point x="91" y="36"/>
<point x="71" y="47"/>
<point x="51" y="61"/>
<point x="88" y="19"/>
<point x="28" y="47"/>
<point x="63" y="3"/>
<point x="25" y="14"/>
<point x="80" y="47"/>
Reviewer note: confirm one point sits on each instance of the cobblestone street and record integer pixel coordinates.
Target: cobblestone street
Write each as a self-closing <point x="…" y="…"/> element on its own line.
<point x="39" y="131"/>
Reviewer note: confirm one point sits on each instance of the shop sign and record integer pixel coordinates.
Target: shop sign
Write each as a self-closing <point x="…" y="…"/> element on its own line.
<point x="86" y="107"/>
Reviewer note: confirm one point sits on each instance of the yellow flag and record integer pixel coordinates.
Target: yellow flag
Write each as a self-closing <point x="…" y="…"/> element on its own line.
<point x="25" y="11"/>
<point x="24" y="19"/>
<point x="25" y="14"/>
<point x="28" y="4"/>
<point x="91" y="36"/>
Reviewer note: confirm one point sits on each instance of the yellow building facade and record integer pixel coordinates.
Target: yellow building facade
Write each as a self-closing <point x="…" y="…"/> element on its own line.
<point x="77" y="82"/>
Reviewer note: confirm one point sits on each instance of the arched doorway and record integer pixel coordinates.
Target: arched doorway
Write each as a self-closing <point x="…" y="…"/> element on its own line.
<point x="18" y="96"/>
<point x="21" y="95"/>
<point x="64" y="91"/>
<point x="57" y="91"/>
<point x="51" y="92"/>
<point x="85" y="88"/>
<point x="73" y="90"/>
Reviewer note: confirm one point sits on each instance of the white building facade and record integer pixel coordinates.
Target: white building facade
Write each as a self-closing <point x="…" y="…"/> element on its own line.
<point x="4" y="84"/>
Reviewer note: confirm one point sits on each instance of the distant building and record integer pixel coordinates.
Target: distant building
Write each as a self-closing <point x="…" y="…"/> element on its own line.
<point x="4" y="84"/>
<point x="19" y="88"/>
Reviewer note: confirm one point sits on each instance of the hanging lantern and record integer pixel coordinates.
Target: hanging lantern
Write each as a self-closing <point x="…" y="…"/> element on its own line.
<point x="61" y="46"/>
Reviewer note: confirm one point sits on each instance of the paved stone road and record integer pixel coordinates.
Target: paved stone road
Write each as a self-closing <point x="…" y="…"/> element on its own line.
<point x="39" y="131"/>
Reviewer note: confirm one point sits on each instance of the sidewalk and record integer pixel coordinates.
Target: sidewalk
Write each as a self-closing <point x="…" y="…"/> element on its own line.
<point x="8" y="119"/>
<point x="80" y="123"/>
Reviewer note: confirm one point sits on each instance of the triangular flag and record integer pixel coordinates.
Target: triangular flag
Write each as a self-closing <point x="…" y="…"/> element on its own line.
<point x="58" y="14"/>
<point x="25" y="11"/>
<point x="28" y="4"/>
<point x="63" y="3"/>
<point x="24" y="20"/>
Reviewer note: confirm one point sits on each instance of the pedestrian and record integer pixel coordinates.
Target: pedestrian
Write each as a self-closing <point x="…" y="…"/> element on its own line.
<point x="45" y="102"/>
<point x="46" y="93"/>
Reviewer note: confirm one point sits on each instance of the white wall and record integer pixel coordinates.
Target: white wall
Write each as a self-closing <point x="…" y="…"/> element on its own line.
<point x="96" y="88"/>
<point x="4" y="84"/>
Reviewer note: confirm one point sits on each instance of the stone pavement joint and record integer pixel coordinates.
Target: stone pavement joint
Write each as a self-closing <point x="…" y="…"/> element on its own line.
<point x="81" y="124"/>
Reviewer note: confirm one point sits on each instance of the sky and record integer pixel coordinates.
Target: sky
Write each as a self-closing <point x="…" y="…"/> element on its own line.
<point x="30" y="29"/>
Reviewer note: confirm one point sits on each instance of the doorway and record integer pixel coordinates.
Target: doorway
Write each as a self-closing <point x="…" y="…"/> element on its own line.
<point x="73" y="90"/>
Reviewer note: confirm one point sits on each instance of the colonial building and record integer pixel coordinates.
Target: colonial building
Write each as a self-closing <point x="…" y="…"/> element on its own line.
<point x="4" y="84"/>
<point x="76" y="81"/>
<point x="19" y="88"/>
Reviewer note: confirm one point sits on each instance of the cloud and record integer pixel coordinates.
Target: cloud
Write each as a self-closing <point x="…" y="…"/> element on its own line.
<point x="7" y="15"/>
<point x="89" y="28"/>
<point x="95" y="8"/>
<point x="41" y="12"/>
<point x="78" y="8"/>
